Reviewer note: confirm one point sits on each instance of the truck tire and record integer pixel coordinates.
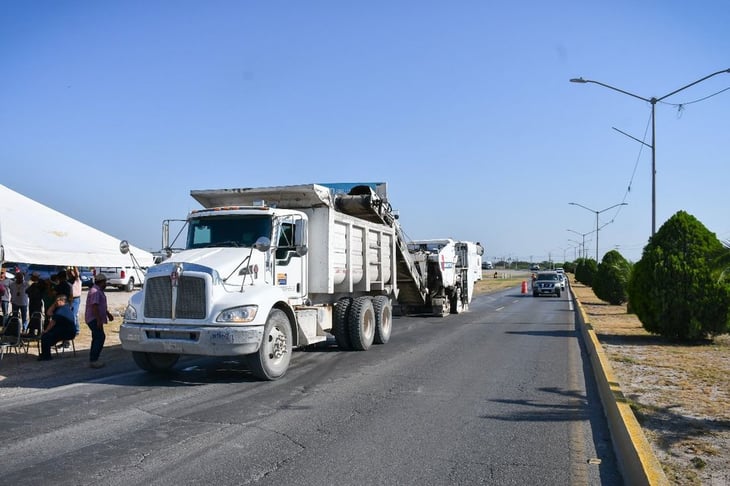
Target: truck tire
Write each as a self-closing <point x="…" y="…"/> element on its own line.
<point x="340" y="327"/>
<point x="383" y="319"/>
<point x="130" y="285"/>
<point x="155" y="362"/>
<point x="557" y="293"/>
<point x="271" y="361"/>
<point x="443" y="309"/>
<point x="457" y="306"/>
<point x="362" y="324"/>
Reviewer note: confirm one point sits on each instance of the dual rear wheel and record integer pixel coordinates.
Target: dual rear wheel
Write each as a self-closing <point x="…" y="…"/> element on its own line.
<point x="361" y="322"/>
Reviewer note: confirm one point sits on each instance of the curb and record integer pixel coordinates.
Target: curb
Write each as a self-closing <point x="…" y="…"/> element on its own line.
<point x="636" y="460"/>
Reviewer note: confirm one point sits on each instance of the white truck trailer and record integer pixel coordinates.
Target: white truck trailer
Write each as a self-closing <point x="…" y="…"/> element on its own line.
<point x="265" y="270"/>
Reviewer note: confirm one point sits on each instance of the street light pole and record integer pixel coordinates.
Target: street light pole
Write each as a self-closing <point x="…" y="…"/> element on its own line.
<point x="575" y="248"/>
<point x="597" y="213"/>
<point x="653" y="102"/>
<point x="583" y="245"/>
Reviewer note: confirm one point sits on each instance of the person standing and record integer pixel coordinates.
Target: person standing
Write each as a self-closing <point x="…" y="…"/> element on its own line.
<point x="35" y="303"/>
<point x="74" y="277"/>
<point x="96" y="315"/>
<point x="48" y="293"/>
<point x="19" y="298"/>
<point x="63" y="287"/>
<point x="5" y="296"/>
<point x="60" y="327"/>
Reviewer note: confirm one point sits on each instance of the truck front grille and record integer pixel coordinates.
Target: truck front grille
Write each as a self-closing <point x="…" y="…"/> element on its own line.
<point x="191" y="302"/>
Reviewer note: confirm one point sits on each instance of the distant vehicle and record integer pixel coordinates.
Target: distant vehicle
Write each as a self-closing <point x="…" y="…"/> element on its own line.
<point x="534" y="267"/>
<point x="87" y="277"/>
<point x="487" y="266"/>
<point x="546" y="283"/>
<point x="14" y="268"/>
<point x="123" y="278"/>
<point x="45" y="272"/>
<point x="560" y="270"/>
<point x="562" y="279"/>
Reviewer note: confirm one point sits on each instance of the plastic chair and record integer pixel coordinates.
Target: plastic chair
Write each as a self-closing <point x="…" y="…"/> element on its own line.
<point x="36" y="325"/>
<point x="59" y="347"/>
<point x="12" y="336"/>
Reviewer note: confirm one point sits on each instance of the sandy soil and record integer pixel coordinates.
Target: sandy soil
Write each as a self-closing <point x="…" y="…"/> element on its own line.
<point x="679" y="393"/>
<point x="22" y="372"/>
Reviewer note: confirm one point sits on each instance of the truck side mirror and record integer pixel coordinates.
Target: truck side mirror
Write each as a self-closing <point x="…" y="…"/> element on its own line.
<point x="302" y="250"/>
<point x="262" y="244"/>
<point x="124" y="247"/>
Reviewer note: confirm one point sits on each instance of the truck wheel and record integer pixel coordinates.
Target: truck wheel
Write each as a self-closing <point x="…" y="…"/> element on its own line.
<point x="535" y="294"/>
<point x="272" y="359"/>
<point x="362" y="324"/>
<point x="383" y="319"/>
<point x="130" y="285"/>
<point x="443" y="309"/>
<point x="340" y="328"/>
<point x="456" y="305"/>
<point x="557" y="293"/>
<point x="155" y="362"/>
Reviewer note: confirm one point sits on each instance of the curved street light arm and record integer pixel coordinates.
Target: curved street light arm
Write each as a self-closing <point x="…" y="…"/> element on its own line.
<point x="690" y="84"/>
<point x="581" y="80"/>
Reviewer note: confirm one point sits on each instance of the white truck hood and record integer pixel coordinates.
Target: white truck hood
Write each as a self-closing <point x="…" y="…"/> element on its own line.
<point x="223" y="260"/>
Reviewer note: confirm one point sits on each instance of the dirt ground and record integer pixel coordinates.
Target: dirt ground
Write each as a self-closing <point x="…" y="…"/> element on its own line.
<point x="679" y="393"/>
<point x="22" y="372"/>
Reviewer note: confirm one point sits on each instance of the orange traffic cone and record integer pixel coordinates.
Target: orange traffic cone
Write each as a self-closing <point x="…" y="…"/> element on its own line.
<point x="524" y="286"/>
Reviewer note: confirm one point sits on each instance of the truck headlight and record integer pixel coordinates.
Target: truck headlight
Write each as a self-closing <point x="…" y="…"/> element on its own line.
<point x="130" y="313"/>
<point x="245" y="313"/>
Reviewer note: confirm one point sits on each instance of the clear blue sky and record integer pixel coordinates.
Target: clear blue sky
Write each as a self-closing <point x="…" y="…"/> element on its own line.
<point x="112" y="111"/>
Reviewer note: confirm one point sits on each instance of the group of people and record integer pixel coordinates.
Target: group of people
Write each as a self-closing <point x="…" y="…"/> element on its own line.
<point x="59" y="300"/>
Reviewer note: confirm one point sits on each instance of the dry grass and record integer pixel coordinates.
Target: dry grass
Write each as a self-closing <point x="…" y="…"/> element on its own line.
<point x="680" y="393"/>
<point x="504" y="280"/>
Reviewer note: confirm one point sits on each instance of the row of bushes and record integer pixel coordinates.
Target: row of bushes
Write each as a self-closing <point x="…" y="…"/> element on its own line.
<point x="677" y="289"/>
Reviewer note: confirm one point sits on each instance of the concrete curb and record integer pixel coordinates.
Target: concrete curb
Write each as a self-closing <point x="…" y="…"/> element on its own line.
<point x="636" y="460"/>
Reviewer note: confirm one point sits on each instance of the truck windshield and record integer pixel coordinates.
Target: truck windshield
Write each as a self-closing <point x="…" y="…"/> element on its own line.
<point x="232" y="230"/>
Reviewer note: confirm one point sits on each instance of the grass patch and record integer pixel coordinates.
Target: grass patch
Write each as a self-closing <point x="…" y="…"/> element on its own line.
<point x="624" y="359"/>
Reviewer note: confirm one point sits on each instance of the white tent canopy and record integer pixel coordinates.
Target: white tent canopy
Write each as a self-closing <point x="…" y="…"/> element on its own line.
<point x="33" y="233"/>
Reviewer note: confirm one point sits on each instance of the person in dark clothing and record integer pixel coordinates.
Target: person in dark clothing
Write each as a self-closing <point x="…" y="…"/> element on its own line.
<point x="60" y="327"/>
<point x="63" y="287"/>
<point x="35" y="295"/>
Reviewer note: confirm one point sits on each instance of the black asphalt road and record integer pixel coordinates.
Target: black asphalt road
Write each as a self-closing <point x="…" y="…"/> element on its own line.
<point x="498" y="395"/>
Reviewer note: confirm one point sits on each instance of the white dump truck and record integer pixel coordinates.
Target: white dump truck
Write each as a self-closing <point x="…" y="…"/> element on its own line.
<point x="452" y="269"/>
<point x="265" y="270"/>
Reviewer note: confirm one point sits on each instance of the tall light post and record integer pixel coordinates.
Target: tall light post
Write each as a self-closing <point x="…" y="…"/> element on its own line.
<point x="597" y="213"/>
<point x="653" y="102"/>
<point x="576" y="247"/>
<point x="583" y="245"/>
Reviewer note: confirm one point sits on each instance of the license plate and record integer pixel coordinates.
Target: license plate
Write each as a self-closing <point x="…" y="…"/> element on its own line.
<point x="221" y="337"/>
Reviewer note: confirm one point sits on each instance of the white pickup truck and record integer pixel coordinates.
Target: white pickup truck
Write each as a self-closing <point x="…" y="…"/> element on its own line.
<point x="123" y="278"/>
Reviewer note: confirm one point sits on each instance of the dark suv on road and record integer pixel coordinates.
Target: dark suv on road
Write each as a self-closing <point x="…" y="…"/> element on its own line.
<point x="546" y="283"/>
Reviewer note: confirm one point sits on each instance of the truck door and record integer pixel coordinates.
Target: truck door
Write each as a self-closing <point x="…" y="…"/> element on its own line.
<point x="290" y="258"/>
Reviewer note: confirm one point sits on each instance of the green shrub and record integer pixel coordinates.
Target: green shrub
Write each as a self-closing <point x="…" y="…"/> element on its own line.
<point x="612" y="278"/>
<point x="569" y="267"/>
<point x="585" y="270"/>
<point x="672" y="289"/>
